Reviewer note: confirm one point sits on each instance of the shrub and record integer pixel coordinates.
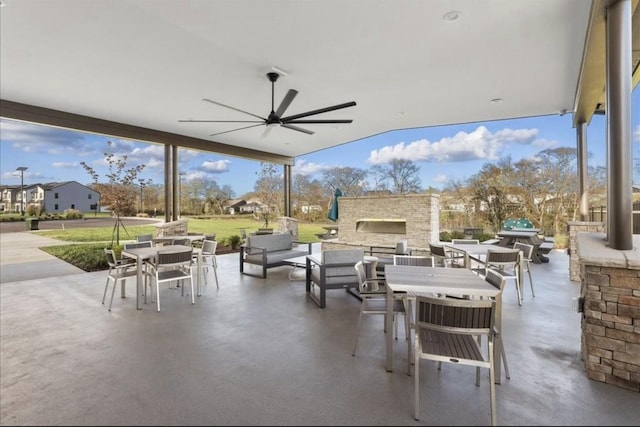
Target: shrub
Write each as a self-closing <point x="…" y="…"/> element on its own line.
<point x="560" y="241"/>
<point x="234" y="241"/>
<point x="445" y="236"/>
<point x="72" y="214"/>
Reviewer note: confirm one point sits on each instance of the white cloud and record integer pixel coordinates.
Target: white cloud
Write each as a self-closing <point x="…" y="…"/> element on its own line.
<point x="32" y="138"/>
<point x="543" y="144"/>
<point x="440" y="178"/>
<point x="218" y="166"/>
<point x="65" y="165"/>
<point x="302" y="167"/>
<point x="479" y="144"/>
<point x="636" y="134"/>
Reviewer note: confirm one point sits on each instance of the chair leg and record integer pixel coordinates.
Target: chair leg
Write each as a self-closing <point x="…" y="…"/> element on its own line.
<point x="106" y="286"/>
<point x="503" y="354"/>
<point x="158" y="294"/>
<point x="416" y="379"/>
<point x="492" y="385"/>
<point x="193" y="294"/>
<point x="533" y="294"/>
<point x="113" y="291"/>
<point x="355" y="343"/>
<point x="215" y="272"/>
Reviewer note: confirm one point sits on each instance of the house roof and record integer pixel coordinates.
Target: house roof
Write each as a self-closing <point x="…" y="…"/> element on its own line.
<point x="134" y="69"/>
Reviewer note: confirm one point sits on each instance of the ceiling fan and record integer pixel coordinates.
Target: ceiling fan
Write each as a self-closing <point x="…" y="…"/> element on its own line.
<point x="275" y="119"/>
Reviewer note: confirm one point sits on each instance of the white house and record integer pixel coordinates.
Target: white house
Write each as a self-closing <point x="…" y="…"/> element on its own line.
<point x="59" y="196"/>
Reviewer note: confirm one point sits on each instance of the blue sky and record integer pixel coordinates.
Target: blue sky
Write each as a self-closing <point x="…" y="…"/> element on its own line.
<point x="443" y="153"/>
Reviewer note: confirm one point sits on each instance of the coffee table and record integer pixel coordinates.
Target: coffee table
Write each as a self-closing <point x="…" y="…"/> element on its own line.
<point x="296" y="262"/>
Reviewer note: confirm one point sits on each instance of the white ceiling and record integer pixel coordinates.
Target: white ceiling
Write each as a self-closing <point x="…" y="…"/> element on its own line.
<point x="149" y="63"/>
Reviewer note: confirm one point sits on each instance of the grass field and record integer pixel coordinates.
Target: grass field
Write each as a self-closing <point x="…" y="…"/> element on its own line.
<point x="86" y="245"/>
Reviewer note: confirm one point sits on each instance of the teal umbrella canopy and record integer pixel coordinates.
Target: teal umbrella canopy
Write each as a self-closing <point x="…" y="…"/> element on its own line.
<point x="333" y="212"/>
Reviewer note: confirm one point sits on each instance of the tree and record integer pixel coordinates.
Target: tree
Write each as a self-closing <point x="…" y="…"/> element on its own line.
<point x="402" y="173"/>
<point x="351" y="181"/>
<point x="490" y="188"/>
<point x="270" y="188"/>
<point x="120" y="192"/>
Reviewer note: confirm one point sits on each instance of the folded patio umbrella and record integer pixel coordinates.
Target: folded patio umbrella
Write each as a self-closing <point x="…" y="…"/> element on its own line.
<point x="333" y="212"/>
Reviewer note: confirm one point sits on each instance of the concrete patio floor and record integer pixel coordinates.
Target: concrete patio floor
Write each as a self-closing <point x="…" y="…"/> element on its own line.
<point x="259" y="352"/>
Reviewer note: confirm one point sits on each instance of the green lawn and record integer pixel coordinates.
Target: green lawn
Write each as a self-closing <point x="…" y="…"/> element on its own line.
<point x="223" y="228"/>
<point x="86" y="245"/>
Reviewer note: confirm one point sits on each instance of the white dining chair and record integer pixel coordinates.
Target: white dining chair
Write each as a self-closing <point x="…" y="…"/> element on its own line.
<point x="173" y="266"/>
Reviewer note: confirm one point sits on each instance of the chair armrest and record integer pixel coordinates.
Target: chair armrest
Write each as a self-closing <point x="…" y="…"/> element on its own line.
<point x="296" y="242"/>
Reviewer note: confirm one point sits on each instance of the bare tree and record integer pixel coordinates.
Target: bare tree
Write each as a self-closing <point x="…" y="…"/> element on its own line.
<point x="351" y="181"/>
<point x="119" y="193"/>
<point x="270" y="188"/>
<point x="402" y="174"/>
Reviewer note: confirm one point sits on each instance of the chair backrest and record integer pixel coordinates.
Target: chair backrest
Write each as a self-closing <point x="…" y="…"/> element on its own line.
<point x="402" y="247"/>
<point x="111" y="257"/>
<point x="174" y="258"/>
<point x="502" y="259"/>
<point x="459" y="316"/>
<point x="495" y="278"/>
<point x="146" y="244"/>
<point x="209" y="247"/>
<point x="413" y="260"/>
<point x="437" y="250"/>
<point x="210" y="236"/>
<point x="144" y="237"/>
<point x="184" y="242"/>
<point x="465" y="241"/>
<point x="527" y="250"/>
<point x="364" y="285"/>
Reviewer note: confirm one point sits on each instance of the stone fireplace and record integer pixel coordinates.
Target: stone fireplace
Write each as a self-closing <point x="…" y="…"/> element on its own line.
<point x="384" y="220"/>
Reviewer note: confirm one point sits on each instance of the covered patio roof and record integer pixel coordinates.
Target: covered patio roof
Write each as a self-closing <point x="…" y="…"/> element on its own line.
<point x="135" y="68"/>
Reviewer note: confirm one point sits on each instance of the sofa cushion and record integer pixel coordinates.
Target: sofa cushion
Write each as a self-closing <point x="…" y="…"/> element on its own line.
<point x="271" y="242"/>
<point x="341" y="256"/>
<point x="275" y="257"/>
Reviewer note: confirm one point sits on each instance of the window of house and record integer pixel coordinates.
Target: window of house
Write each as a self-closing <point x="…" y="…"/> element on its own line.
<point x="73" y="206"/>
<point x="55" y="207"/>
<point x="55" y="196"/>
<point x="89" y="196"/>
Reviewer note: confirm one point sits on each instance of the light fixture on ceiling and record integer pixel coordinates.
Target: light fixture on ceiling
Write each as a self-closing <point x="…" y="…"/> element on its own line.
<point x="2" y="3"/>
<point x="496" y="100"/>
<point x="402" y="113"/>
<point x="452" y="16"/>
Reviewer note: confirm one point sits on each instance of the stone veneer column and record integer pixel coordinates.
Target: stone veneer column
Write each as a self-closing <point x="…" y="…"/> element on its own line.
<point x="575" y="227"/>
<point x="611" y="318"/>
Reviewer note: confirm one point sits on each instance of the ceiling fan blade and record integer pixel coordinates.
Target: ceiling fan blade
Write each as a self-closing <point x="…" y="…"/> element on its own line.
<point x="220" y="121"/>
<point x="233" y="108"/>
<point x="299" y="129"/>
<point x="319" y="111"/>
<point x="266" y="131"/>
<point x="319" y="121"/>
<point x="286" y="101"/>
<point x="233" y="130"/>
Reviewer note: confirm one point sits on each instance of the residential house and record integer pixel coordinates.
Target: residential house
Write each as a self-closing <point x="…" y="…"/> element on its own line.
<point x="232" y="207"/>
<point x="55" y="197"/>
<point x="10" y="201"/>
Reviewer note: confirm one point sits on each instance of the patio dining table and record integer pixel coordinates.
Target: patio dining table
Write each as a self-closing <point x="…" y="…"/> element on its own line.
<point x="144" y="254"/>
<point x="440" y="281"/>
<point x="168" y="239"/>
<point x="479" y="252"/>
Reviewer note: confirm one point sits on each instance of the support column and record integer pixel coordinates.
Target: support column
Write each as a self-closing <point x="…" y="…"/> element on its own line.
<point x="287" y="190"/>
<point x="618" y="107"/>
<point x="168" y="195"/>
<point x="174" y="181"/>
<point x="583" y="167"/>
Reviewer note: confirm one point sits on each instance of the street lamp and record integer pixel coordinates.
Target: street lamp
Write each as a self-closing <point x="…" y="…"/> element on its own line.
<point x="21" y="169"/>
<point x="142" y="184"/>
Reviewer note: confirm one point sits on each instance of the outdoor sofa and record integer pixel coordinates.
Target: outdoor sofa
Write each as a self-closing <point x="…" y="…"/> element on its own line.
<point x="270" y="250"/>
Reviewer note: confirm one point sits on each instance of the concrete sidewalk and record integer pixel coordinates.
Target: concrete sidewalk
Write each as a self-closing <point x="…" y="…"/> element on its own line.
<point x="22" y="259"/>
